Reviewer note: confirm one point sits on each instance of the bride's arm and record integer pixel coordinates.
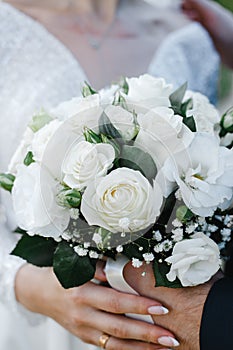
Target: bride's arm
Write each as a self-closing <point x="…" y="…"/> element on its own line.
<point x="89" y="310"/>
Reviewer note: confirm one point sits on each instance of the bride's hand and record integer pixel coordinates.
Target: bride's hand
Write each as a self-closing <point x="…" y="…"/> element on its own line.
<point x="90" y="310"/>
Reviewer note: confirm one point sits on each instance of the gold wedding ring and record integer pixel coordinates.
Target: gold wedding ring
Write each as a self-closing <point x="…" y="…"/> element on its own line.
<point x="103" y="339"/>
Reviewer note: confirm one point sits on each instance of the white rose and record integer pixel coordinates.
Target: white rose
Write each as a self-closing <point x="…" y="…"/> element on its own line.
<point x="42" y="138"/>
<point x="86" y="161"/>
<point x="122" y="201"/>
<point x="34" y="201"/>
<point x="21" y="151"/>
<point x="68" y="109"/>
<point x="204" y="113"/>
<point x="203" y="174"/>
<point x="107" y="95"/>
<point x="123" y="121"/>
<point x="162" y="134"/>
<point x="147" y="92"/>
<point x="194" y="261"/>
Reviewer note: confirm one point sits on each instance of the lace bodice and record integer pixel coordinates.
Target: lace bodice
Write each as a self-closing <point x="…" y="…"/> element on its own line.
<point x="35" y="70"/>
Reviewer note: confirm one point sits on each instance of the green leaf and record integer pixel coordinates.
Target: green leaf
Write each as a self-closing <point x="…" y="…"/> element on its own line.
<point x="190" y="123"/>
<point x="36" y="250"/>
<point x="28" y="159"/>
<point x="186" y="106"/>
<point x="7" y="181"/>
<point x="107" y="128"/>
<point x="87" y="90"/>
<point x="160" y="272"/>
<point x="134" y="158"/>
<point x="167" y="209"/>
<point x="113" y="143"/>
<point x="177" y="97"/>
<point x="19" y="230"/>
<point x="71" y="269"/>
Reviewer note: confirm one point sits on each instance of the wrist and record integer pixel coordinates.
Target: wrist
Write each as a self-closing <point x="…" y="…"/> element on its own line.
<point x="33" y="288"/>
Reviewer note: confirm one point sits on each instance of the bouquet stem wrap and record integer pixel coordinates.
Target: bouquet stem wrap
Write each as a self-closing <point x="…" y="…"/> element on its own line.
<point x="114" y="271"/>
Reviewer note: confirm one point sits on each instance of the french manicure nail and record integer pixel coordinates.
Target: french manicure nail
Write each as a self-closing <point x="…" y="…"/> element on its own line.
<point x="168" y="341"/>
<point x="158" y="310"/>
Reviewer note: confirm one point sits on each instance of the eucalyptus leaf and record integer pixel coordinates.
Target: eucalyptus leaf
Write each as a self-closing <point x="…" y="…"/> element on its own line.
<point x="177" y="96"/>
<point x="36" y="250"/>
<point x="190" y="123"/>
<point x="107" y="128"/>
<point x="71" y="269"/>
<point x="7" y="181"/>
<point x="134" y="158"/>
<point x="167" y="209"/>
<point x="160" y="272"/>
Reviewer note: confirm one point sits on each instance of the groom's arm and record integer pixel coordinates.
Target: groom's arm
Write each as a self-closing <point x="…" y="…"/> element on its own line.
<point x="217" y="320"/>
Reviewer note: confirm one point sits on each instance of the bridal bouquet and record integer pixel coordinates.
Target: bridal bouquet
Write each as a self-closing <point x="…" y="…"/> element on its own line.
<point x="136" y="169"/>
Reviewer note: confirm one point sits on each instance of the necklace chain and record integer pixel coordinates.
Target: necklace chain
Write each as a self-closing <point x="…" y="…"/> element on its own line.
<point x="96" y="42"/>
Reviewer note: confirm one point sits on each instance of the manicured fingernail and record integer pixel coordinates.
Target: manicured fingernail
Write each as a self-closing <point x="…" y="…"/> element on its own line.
<point x="168" y="341"/>
<point x="158" y="310"/>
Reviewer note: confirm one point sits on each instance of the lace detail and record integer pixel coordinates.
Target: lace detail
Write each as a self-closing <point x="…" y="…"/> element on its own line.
<point x="189" y="55"/>
<point x="36" y="71"/>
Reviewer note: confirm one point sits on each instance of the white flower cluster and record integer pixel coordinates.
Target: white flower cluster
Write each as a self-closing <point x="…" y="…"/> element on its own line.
<point x="111" y="159"/>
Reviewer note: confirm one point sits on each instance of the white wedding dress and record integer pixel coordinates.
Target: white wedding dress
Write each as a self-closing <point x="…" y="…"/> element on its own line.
<point x="36" y="71"/>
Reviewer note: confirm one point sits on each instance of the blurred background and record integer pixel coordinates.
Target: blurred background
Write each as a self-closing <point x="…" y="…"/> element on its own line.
<point x="226" y="75"/>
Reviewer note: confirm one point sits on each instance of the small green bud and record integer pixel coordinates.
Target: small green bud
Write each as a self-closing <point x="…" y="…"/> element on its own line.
<point x="91" y="136"/>
<point x="184" y="214"/>
<point x="7" y="181"/>
<point x="227" y="120"/>
<point x="39" y="121"/>
<point x="70" y="198"/>
<point x="28" y="159"/>
<point x="87" y="90"/>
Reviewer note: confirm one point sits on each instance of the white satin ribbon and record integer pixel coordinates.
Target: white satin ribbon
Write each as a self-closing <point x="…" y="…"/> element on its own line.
<point x="114" y="271"/>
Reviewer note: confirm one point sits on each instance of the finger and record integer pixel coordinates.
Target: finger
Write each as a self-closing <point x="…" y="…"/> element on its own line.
<point x="123" y="327"/>
<point x="110" y="300"/>
<point x="99" y="274"/>
<point x="92" y="336"/>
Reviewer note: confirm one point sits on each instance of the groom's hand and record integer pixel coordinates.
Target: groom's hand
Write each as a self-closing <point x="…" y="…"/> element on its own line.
<point x="185" y="305"/>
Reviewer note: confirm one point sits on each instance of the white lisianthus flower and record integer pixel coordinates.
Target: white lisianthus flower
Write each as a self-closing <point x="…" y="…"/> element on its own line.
<point x="206" y="116"/>
<point x="194" y="261"/>
<point x="123" y="121"/>
<point x="203" y="174"/>
<point x="21" y="151"/>
<point x="42" y="138"/>
<point x="86" y="161"/>
<point x="162" y="134"/>
<point x="122" y="201"/>
<point x="147" y="92"/>
<point x="34" y="202"/>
